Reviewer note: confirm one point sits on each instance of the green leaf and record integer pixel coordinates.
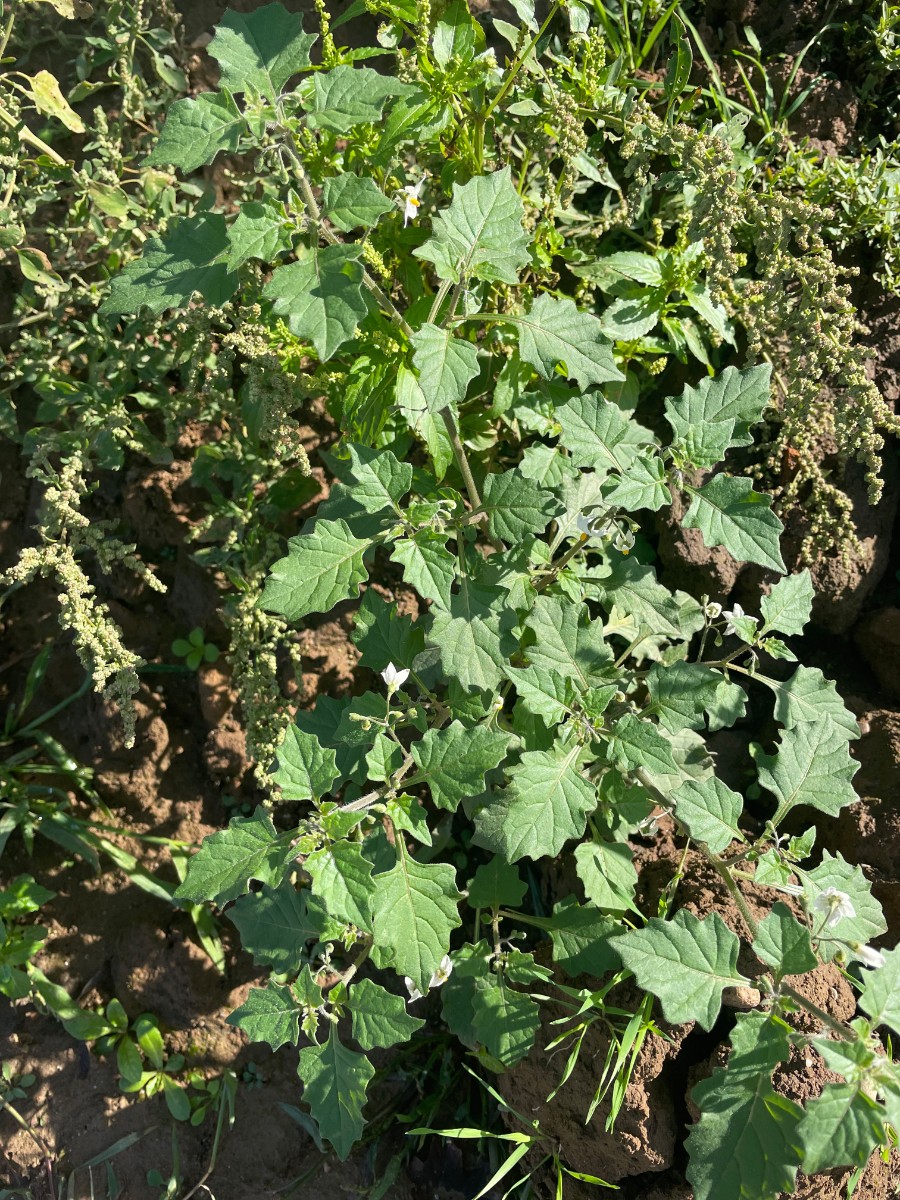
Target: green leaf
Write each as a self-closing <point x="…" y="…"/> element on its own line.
<point x="628" y="320"/>
<point x="223" y="867"/>
<point x="880" y="998"/>
<point x="555" y="333"/>
<point x="269" y="1014"/>
<point x="352" y="202"/>
<point x="543" y="693"/>
<point x="641" y="485"/>
<point x="718" y="413"/>
<point x="406" y="813"/>
<point x="427" y="564"/>
<point x="334" y="1086"/>
<point x="582" y="937"/>
<point x="745" y="1143"/>
<point x="809" y="696"/>
<point x="868" y="922"/>
<point x="383" y="636"/>
<point x="446" y="367"/>
<point x="453" y="761"/>
<point x="414" y="405"/>
<point x="505" y="1022"/>
<point x="454" y="35"/>
<point x="471" y="973"/>
<point x="546" y="803"/>
<point x="598" y="434"/>
<point x="633" y="588"/>
<point x="196" y="130"/>
<point x="168" y="273"/>
<point x="347" y="96"/>
<point x="813" y="766"/>
<point x="259" y="232"/>
<point x="321" y="296"/>
<point x="379" y="480"/>
<point x="384" y="758"/>
<point x="306" y="769"/>
<point x="841" y="1128"/>
<point x="788" y="606"/>
<point x="686" y="963"/>
<point x="320" y="569"/>
<point x="260" y="50"/>
<point x="496" y="884"/>
<point x="380" y="1018"/>
<point x="684" y="693"/>
<point x="415" y="906"/>
<point x="516" y="506"/>
<point x="784" y="943"/>
<point x="637" y="743"/>
<point x="729" y="513"/>
<point x="607" y="872"/>
<point x="342" y="879"/>
<point x="472" y="648"/>
<point x="566" y="645"/>
<point x="275" y="925"/>
<point x="481" y="234"/>
<point x="709" y="811"/>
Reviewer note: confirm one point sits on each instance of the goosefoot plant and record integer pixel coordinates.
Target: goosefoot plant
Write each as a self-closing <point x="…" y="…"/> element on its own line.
<point x="551" y="697"/>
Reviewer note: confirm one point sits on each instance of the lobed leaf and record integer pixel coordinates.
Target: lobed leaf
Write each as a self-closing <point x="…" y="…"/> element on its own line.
<point x="446" y="366"/>
<point x="729" y="513"/>
<point x="353" y="202"/>
<point x="481" y="234"/>
<point x="334" y="1086"/>
<point x="260" y="50"/>
<point x="380" y="1018"/>
<point x="686" y="963"/>
<point x="545" y="805"/>
<point x="269" y="1014"/>
<point x="321" y="296"/>
<point x="320" y="569"/>
<point x="195" y="130"/>
<point x="221" y="870"/>
<point x="306" y="769"/>
<point x="813" y="766"/>
<point x="555" y="333"/>
<point x="415" y="908"/>
<point x="454" y="760"/>
<point x="169" y="272"/>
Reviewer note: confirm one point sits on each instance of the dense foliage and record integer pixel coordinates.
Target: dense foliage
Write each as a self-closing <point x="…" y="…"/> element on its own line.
<point x="537" y="297"/>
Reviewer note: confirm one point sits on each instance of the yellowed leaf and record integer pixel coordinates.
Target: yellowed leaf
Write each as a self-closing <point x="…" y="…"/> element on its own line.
<point x="49" y="100"/>
<point x="70" y="9"/>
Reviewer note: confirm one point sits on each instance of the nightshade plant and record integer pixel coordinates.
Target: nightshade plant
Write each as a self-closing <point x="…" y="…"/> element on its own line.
<point x="552" y="696"/>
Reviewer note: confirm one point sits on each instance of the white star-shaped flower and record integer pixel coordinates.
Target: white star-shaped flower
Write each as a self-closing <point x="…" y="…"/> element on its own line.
<point x="731" y="616"/>
<point x="393" y="677"/>
<point x="412" y="203"/>
<point x="835" y="904"/>
<point x="868" y="957"/>
<point x="442" y="974"/>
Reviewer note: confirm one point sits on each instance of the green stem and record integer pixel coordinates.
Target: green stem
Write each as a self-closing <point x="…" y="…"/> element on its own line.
<point x="25" y="135"/>
<point x="16" y="1116"/>
<point x="846" y="1035"/>
<point x="556" y="568"/>
<point x="727" y="878"/>
<point x="459" y="453"/>
<point x="516" y="67"/>
<point x="7" y="28"/>
<point x="315" y="215"/>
